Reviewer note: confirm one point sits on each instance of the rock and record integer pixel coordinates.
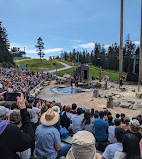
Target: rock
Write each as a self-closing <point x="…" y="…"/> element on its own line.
<point x="137" y="106"/>
<point x="103" y="95"/>
<point x="132" y="102"/>
<point x="125" y="105"/>
<point x="113" y="94"/>
<point x="118" y="96"/>
<point x="116" y="103"/>
<point x="109" y="86"/>
<point x="131" y="107"/>
<point x="133" y="90"/>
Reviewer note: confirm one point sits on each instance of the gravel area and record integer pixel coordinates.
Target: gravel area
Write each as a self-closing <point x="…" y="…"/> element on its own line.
<point x="86" y="99"/>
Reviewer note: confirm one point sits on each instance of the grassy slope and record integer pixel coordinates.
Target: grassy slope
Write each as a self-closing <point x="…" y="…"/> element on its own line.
<point x="36" y="65"/>
<point x="94" y="71"/>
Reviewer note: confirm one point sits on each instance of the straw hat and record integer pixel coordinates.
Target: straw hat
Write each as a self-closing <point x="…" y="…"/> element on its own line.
<point x="83" y="146"/>
<point x="49" y="118"/>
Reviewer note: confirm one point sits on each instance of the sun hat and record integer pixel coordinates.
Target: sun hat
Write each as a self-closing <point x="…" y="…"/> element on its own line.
<point x="15" y="117"/>
<point x="56" y="109"/>
<point x="3" y="110"/>
<point x="83" y="146"/>
<point x="50" y="117"/>
<point x="135" y="122"/>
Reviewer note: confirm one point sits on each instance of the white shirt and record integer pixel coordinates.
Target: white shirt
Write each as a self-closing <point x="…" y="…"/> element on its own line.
<point x="35" y="111"/>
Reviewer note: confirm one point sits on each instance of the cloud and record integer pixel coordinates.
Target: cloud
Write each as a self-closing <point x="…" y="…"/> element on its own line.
<point x="136" y="42"/>
<point x="106" y="46"/>
<point x="16" y="45"/>
<point x="45" y="51"/>
<point x="76" y="41"/>
<point x="87" y="46"/>
<point x="29" y="48"/>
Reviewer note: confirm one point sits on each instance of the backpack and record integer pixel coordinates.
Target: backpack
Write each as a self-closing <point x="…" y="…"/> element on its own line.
<point x="65" y="121"/>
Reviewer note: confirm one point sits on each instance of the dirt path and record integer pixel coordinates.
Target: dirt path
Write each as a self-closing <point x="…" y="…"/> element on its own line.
<point x="61" y="69"/>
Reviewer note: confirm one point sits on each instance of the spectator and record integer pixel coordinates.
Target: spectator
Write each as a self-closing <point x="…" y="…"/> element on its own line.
<point x="125" y="124"/>
<point x="96" y="115"/>
<point x="117" y="116"/>
<point x="66" y="117"/>
<point x="83" y="146"/>
<point x="44" y="109"/>
<point x="134" y="128"/>
<point x="48" y="142"/>
<point x="88" y="123"/>
<point x="130" y="148"/>
<point x="48" y="105"/>
<point x="67" y="110"/>
<point x="53" y="103"/>
<point x="101" y="127"/>
<point x="15" y="118"/>
<point x="77" y="121"/>
<point x="12" y="139"/>
<point x="35" y="111"/>
<point x="110" y="120"/>
<point x="74" y="106"/>
<point x="122" y="115"/>
<point x="92" y="113"/>
<point x="112" y="148"/>
<point x="111" y="131"/>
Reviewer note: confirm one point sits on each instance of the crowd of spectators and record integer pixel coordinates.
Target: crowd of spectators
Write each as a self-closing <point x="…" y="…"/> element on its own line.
<point x="34" y="128"/>
<point x="14" y="80"/>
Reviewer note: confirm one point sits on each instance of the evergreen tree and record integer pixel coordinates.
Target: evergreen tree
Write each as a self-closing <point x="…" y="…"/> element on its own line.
<point x="128" y="54"/>
<point x="40" y="47"/>
<point x="5" y="57"/>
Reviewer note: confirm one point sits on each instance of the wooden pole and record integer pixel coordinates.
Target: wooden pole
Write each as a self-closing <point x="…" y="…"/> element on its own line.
<point x="100" y="74"/>
<point x="140" y="57"/>
<point x="121" y="43"/>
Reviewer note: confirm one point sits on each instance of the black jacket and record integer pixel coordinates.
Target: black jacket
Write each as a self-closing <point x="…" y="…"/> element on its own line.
<point x="12" y="140"/>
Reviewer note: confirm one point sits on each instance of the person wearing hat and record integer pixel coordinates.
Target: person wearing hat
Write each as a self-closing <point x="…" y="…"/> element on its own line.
<point x="134" y="128"/>
<point x="12" y="140"/>
<point x="48" y="142"/>
<point x="83" y="146"/>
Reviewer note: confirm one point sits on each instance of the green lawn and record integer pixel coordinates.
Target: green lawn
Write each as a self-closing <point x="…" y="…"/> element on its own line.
<point x="36" y="65"/>
<point x="94" y="71"/>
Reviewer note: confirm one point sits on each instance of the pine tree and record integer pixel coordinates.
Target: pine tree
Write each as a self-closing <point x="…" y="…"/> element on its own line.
<point x="5" y="57"/>
<point x="40" y="47"/>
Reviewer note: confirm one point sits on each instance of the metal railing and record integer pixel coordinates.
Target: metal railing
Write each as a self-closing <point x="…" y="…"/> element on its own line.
<point x="38" y="86"/>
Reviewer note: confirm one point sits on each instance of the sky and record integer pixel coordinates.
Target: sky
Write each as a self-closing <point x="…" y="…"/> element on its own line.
<point x="68" y="24"/>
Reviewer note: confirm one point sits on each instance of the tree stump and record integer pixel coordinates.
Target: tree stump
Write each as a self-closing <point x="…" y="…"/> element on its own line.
<point x="110" y="102"/>
<point x="96" y="94"/>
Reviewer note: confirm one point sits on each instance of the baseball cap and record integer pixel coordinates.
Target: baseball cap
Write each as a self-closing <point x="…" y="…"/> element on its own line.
<point x="135" y="122"/>
<point x="3" y="110"/>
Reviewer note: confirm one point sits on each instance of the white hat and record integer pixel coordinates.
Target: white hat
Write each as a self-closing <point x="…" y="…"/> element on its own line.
<point x="49" y="118"/>
<point x="135" y="122"/>
<point x="83" y="146"/>
<point x="56" y="109"/>
<point x="3" y="110"/>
